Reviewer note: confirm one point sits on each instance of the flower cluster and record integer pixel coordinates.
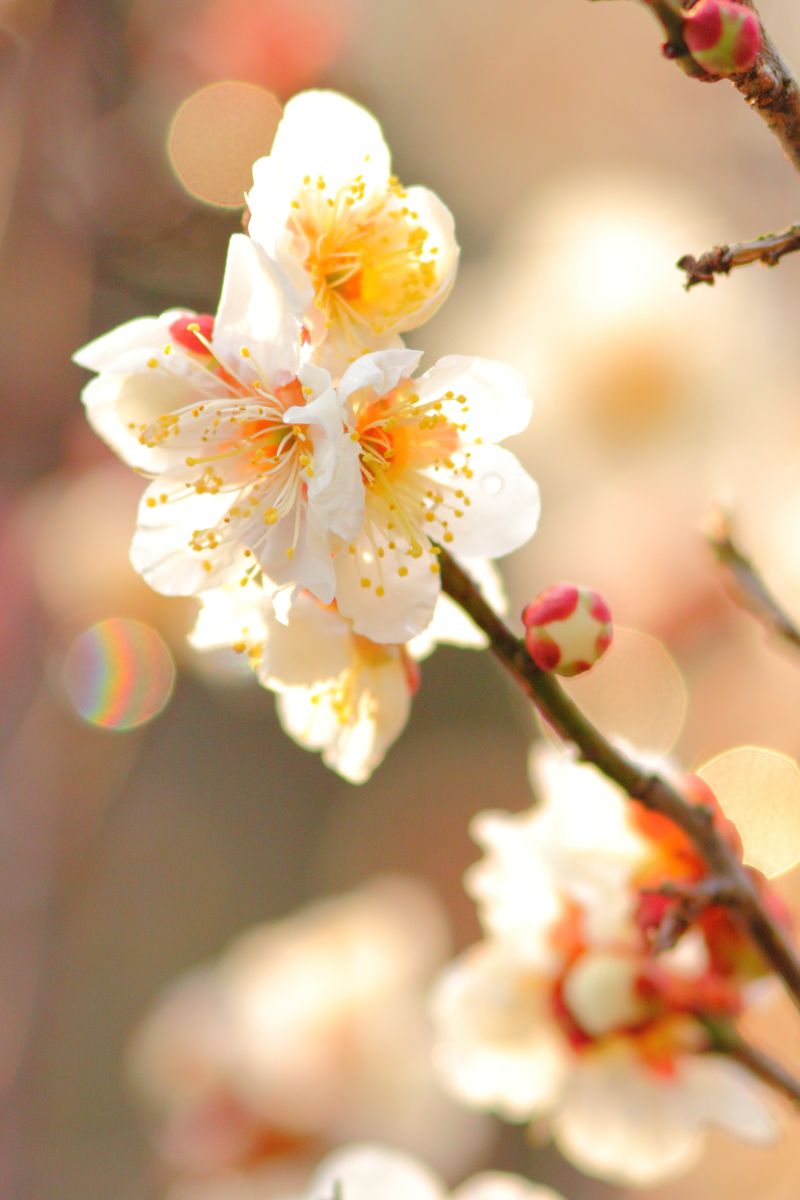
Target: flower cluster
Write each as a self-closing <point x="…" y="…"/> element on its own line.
<point x="573" y="1009"/>
<point x="292" y="451"/>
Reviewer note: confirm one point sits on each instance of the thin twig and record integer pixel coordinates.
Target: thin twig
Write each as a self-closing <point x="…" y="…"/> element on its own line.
<point x="649" y="788"/>
<point x="768" y="249"/>
<point x="728" y="1041"/>
<point x="750" y="588"/>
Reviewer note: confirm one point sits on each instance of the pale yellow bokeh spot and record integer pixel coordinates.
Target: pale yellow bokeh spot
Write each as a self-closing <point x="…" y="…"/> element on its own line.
<point x="634" y="692"/>
<point x="760" y="791"/>
<point x="215" y="137"/>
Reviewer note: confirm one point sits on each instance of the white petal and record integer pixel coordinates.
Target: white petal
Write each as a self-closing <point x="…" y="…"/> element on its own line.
<point x="498" y="404"/>
<point x="500" y="1185"/>
<point x="372" y="1172"/>
<point x="381" y="371"/>
<point x="353" y="742"/>
<point x="498" y="1046"/>
<point x="258" y="310"/>
<point x="116" y="402"/>
<point x="720" y="1092"/>
<point x="503" y="509"/>
<point x="335" y="491"/>
<point x="322" y="134"/>
<point x="141" y="334"/>
<point x="406" y="604"/>
<point x="161" y="550"/>
<point x="621" y="1122"/>
<point x="309" y="564"/>
<point x="314" y="646"/>
<point x="229" y="615"/>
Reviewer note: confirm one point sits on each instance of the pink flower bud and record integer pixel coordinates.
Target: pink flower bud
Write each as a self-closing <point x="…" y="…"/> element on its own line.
<point x="567" y="629"/>
<point x="723" y="37"/>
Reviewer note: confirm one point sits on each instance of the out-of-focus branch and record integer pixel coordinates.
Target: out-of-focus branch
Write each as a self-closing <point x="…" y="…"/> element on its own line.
<point x="768" y="249"/>
<point x="650" y="789"/>
<point x="769" y="1070"/>
<point x="749" y="587"/>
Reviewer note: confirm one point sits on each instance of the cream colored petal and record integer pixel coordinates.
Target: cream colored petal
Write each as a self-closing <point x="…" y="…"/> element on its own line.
<point x="498" y="403"/>
<point x="260" y="311"/>
<point x="497" y="1046"/>
<point x="621" y="1122"/>
<point x="372" y="1172"/>
<point x="501" y="1185"/>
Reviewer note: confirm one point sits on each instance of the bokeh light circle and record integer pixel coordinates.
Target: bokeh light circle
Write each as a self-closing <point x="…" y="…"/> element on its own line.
<point x="760" y="791"/>
<point x="215" y="137"/>
<point x="635" y="692"/>
<point x="118" y="674"/>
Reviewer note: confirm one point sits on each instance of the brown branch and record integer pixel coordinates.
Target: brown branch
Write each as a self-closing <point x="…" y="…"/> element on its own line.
<point x="750" y="589"/>
<point x="651" y="789"/>
<point x="768" y="249"/>
<point x="763" y="1066"/>
<point x="771" y="90"/>
<point x="768" y="87"/>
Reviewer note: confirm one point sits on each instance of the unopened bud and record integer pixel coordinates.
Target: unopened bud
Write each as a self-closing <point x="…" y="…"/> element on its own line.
<point x="567" y="628"/>
<point x="723" y="37"/>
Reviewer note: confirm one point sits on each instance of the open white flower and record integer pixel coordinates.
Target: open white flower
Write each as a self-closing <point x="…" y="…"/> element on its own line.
<point x="374" y="1172"/>
<point x="431" y="474"/>
<point x="338" y="692"/>
<point x="371" y="258"/>
<point x="565" y="1012"/>
<point x="307" y="1032"/>
<point x="245" y="443"/>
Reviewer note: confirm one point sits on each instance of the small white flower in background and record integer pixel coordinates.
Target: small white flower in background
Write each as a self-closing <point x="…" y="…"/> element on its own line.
<point x="368" y="1171"/>
<point x="337" y="691"/>
<point x="245" y="442"/>
<point x="431" y="474"/>
<point x="564" y="1012"/>
<point x="306" y="1032"/>
<point x="373" y="1172"/>
<point x="371" y="259"/>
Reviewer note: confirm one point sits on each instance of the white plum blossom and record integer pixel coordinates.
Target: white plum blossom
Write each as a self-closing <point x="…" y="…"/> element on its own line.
<point x="373" y="1172"/>
<point x="244" y="441"/>
<point x="305" y="1033"/>
<point x="370" y="258"/>
<point x="432" y="476"/>
<point x="337" y="692"/>
<point x="564" y="1012"/>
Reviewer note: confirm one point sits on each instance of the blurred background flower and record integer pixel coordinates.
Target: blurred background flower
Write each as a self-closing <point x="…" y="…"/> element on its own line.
<point x="578" y="166"/>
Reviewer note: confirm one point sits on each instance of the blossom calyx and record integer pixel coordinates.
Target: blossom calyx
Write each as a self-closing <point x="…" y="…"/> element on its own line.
<point x="567" y="629"/>
<point x="723" y="37"/>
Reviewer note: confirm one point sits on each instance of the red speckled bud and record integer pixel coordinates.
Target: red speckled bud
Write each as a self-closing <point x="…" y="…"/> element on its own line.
<point x="184" y="331"/>
<point x="567" y="628"/>
<point x="722" y="37"/>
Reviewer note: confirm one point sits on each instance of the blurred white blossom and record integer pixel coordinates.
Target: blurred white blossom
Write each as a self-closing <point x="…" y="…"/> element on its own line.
<point x="307" y="1032"/>
<point x="370" y="258"/>
<point x="565" y="1012"/>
